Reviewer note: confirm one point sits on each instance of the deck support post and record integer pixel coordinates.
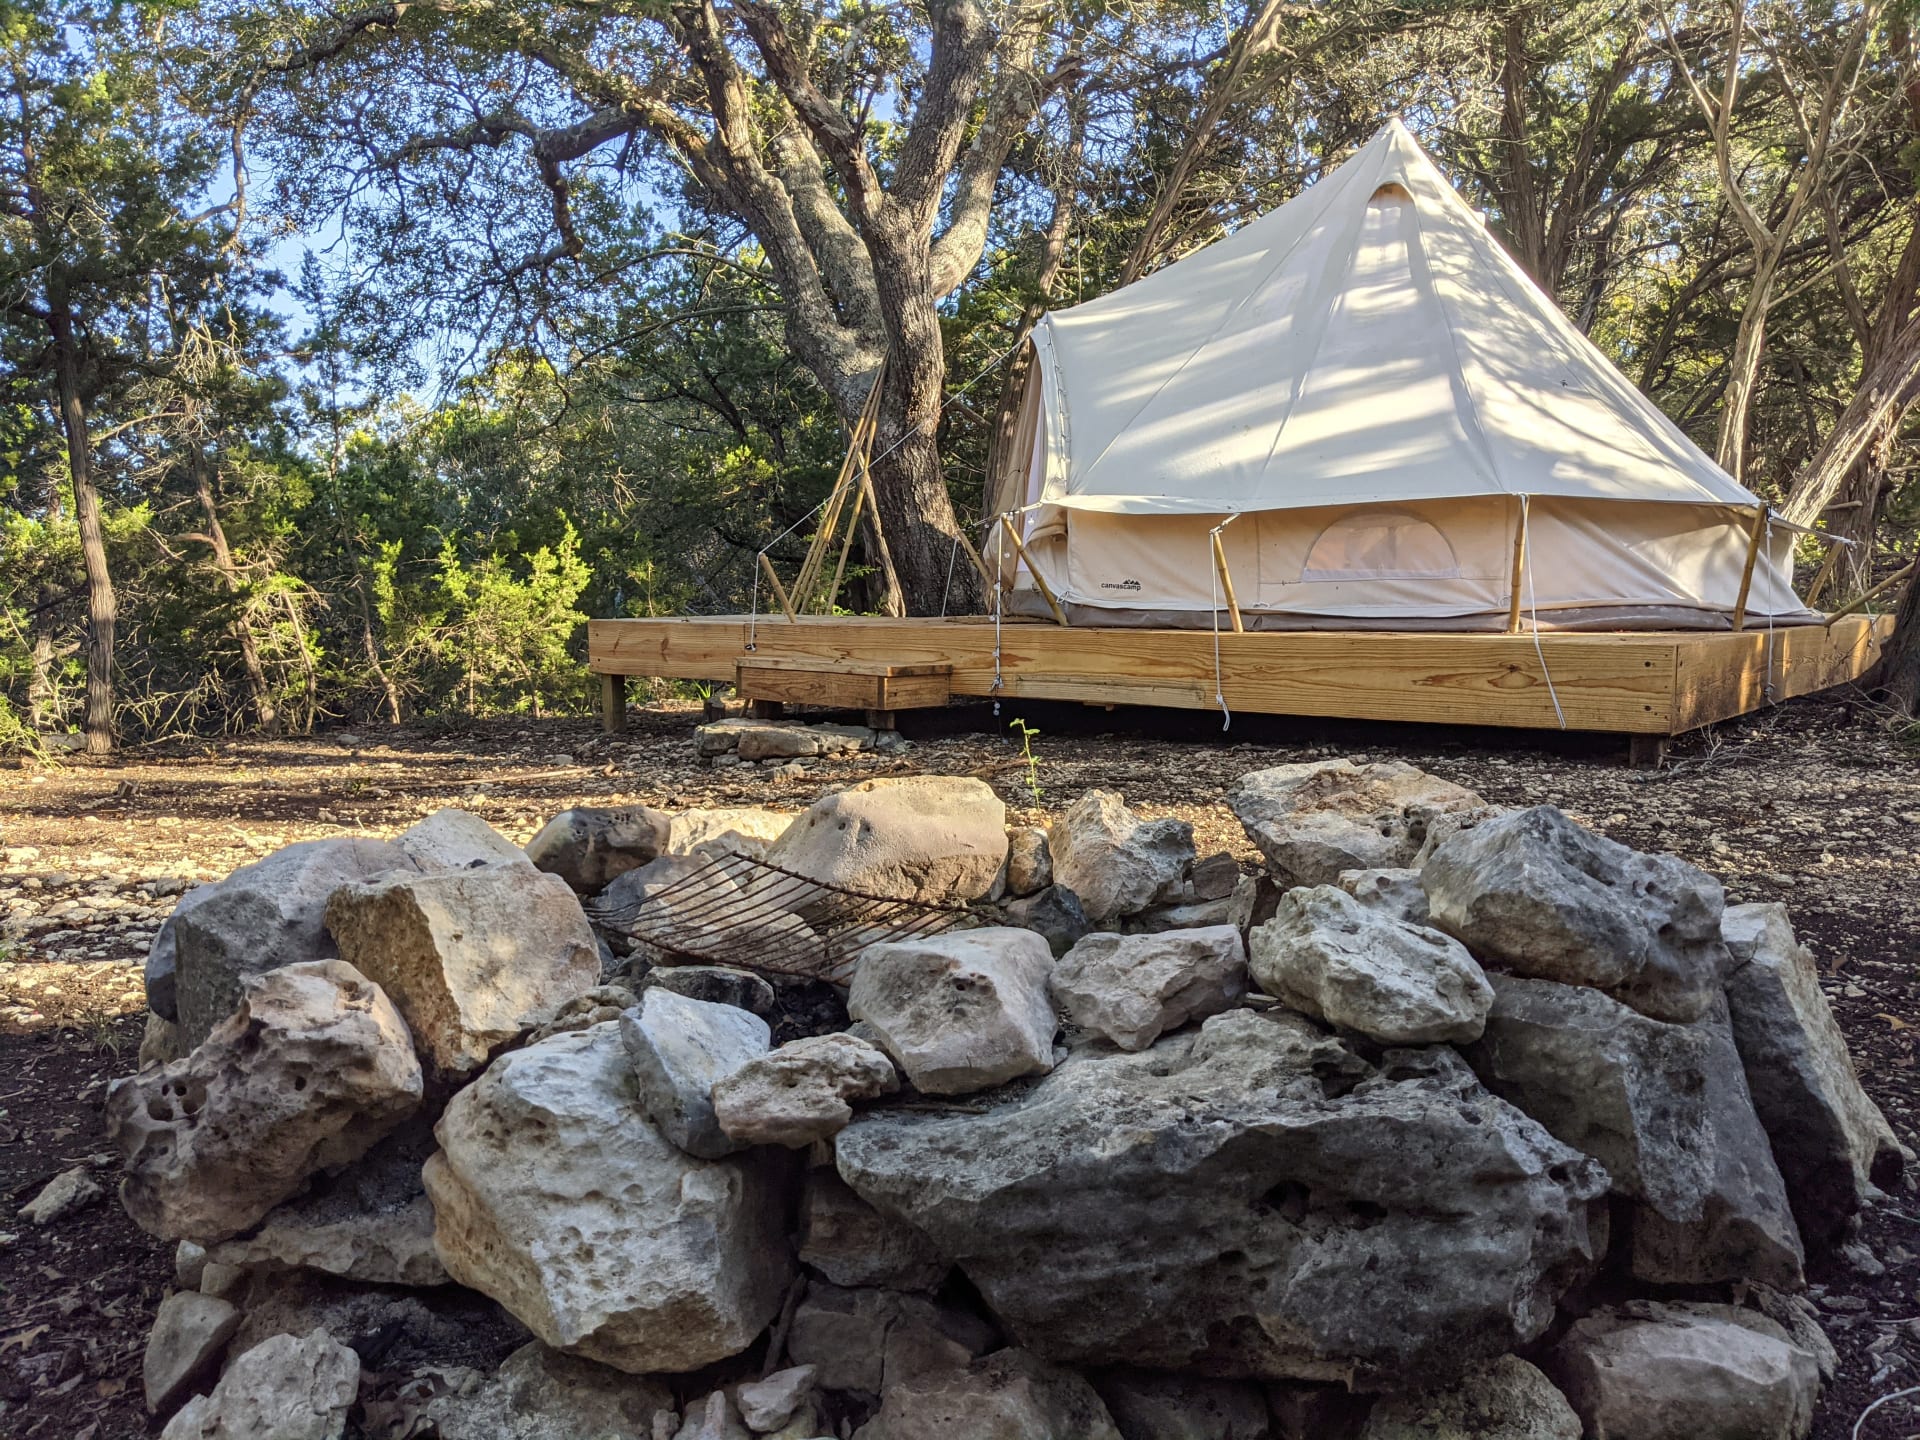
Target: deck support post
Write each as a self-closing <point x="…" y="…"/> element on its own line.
<point x="1646" y="752"/>
<point x="1519" y="568"/>
<point x="1754" y="537"/>
<point x="765" y="709"/>
<point x="613" y="703"/>
<point x="882" y="720"/>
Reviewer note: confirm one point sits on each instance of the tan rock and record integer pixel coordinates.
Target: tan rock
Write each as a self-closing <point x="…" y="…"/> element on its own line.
<point x="800" y="1092"/>
<point x="285" y="1388"/>
<point x="1316" y="819"/>
<point x="1117" y="863"/>
<point x="932" y="838"/>
<point x="456" y="839"/>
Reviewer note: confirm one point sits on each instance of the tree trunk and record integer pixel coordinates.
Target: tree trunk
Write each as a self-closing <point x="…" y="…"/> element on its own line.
<point x="264" y="708"/>
<point x="40" y="684"/>
<point x="102" y="608"/>
<point x="388" y="691"/>
<point x="1899" y="677"/>
<point x="1749" y="344"/>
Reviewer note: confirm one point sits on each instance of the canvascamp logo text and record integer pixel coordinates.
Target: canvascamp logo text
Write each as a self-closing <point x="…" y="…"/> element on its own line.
<point x="1119" y="584"/>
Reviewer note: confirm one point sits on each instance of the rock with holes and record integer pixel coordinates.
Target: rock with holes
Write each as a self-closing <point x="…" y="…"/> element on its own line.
<point x="1540" y="896"/>
<point x="1314" y="820"/>
<point x="1327" y="955"/>
<point x="1115" y="862"/>
<point x="473" y="958"/>
<point x="959" y="1012"/>
<point x="590" y="847"/>
<point x="1395" y="893"/>
<point x="930" y="838"/>
<point x="540" y="1394"/>
<point x="1029" y="862"/>
<point x="801" y="1092"/>
<point x="1146" y="1406"/>
<point x="307" y="1075"/>
<point x="1834" y="1148"/>
<point x="853" y="1244"/>
<point x="554" y="1194"/>
<point x="285" y="1388"/>
<point x="1503" y="1399"/>
<point x="1131" y="989"/>
<point x="1251" y="1199"/>
<point x="680" y="1049"/>
<point x="1675" y="1371"/>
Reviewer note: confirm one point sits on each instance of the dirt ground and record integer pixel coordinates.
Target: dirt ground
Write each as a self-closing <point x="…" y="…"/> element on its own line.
<point x="1814" y="804"/>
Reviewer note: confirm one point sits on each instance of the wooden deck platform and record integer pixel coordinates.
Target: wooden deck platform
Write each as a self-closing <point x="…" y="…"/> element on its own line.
<point x="1646" y="683"/>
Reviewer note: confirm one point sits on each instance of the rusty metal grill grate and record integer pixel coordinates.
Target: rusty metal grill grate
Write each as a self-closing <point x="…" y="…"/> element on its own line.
<point x="745" y="913"/>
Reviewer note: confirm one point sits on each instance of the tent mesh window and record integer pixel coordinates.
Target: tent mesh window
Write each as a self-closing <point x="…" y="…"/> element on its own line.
<point x="1381" y="545"/>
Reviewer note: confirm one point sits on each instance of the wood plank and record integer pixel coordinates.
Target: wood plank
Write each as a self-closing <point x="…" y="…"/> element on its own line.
<point x="1722" y="675"/>
<point x="837" y="689"/>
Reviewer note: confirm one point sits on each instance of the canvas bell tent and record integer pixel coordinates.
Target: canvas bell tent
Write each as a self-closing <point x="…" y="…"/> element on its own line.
<point x="1396" y="427"/>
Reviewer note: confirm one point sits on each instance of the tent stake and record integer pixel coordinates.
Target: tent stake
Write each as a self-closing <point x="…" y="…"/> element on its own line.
<point x="1046" y="591"/>
<point x="779" y="590"/>
<point x="1519" y="568"/>
<point x="1746" y="576"/>
<point x="1226" y="583"/>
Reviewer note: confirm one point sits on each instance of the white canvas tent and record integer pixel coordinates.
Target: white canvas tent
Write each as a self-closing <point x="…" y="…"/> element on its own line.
<point x="1370" y="394"/>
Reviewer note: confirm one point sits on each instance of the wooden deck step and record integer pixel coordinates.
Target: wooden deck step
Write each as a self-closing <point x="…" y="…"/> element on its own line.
<point x="843" y="684"/>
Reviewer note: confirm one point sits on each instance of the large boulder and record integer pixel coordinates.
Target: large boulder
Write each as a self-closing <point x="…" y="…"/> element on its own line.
<point x="1131" y="989"/>
<point x="1503" y="1399"/>
<point x="930" y="838"/>
<point x="1834" y="1147"/>
<point x="285" y="1388"/>
<point x="680" y="1049"/>
<point x="1316" y="819"/>
<point x="262" y="916"/>
<point x="1115" y="862"/>
<point x="740" y="830"/>
<point x="1652" y="1371"/>
<point x="473" y="958"/>
<point x="959" y="1012"/>
<point x="1394" y="892"/>
<point x="312" y="1069"/>
<point x="801" y="1092"/>
<point x="1253" y="1199"/>
<point x="934" y="1392"/>
<point x="1331" y="957"/>
<point x="1541" y="896"/>
<point x="591" y="847"/>
<point x="554" y="1195"/>
<point x="455" y="839"/>
<point x="541" y="1394"/>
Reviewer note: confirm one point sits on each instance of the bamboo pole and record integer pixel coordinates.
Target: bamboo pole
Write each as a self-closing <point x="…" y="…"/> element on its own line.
<point x="880" y="534"/>
<point x="1906" y="572"/>
<point x="1226" y="583"/>
<point x="846" y="548"/>
<point x="1046" y="591"/>
<point x="779" y="590"/>
<point x="986" y="575"/>
<point x="1754" y="536"/>
<point x="859" y="446"/>
<point x="1519" y="568"/>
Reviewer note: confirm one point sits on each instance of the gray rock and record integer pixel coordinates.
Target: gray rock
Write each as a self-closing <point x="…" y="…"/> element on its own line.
<point x="1146" y="1406"/>
<point x="71" y="1190"/>
<point x="1214" y="878"/>
<point x="1833" y="1146"/>
<point x="853" y="1244"/>
<point x="540" y="1394"/>
<point x="282" y="1389"/>
<point x="189" y="1335"/>
<point x="1115" y="862"/>
<point x="1235" y="909"/>
<point x="1316" y="819"/>
<point x="769" y="740"/>
<point x="455" y="839"/>
<point x="844" y="1334"/>
<point x="680" y="1048"/>
<point x="931" y="838"/>
<point x="935" y="1393"/>
<point x="1131" y="989"/>
<point x="1651" y="1371"/>
<point x="308" y="1074"/>
<point x="801" y="1092"/>
<point x="959" y="1012"/>
<point x="1796" y="1315"/>
<point x="553" y="1194"/>
<point x="1534" y="892"/>
<point x="1029" y="862"/>
<point x="1054" y="914"/>
<point x="1395" y="893"/>
<point x="1502" y="1399"/>
<point x="715" y="984"/>
<point x="1249" y="1200"/>
<point x="710" y="834"/>
<point x="713" y="1418"/>
<point x="768" y="1404"/>
<point x="590" y="1007"/>
<point x="1329" y="956"/>
<point x="590" y="848"/>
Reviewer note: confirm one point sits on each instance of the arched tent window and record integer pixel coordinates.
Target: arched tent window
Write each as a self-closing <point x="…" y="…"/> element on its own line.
<point x="1380" y="545"/>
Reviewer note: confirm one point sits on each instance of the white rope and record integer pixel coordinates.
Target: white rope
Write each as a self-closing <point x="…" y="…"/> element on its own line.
<point x="753" y="614"/>
<point x="999" y="600"/>
<point x="1766" y="690"/>
<point x="955" y="555"/>
<point x="1896" y="1395"/>
<point x="1534" y="611"/>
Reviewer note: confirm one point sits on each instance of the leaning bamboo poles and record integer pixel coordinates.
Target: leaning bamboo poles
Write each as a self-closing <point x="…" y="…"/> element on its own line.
<point x="840" y="515"/>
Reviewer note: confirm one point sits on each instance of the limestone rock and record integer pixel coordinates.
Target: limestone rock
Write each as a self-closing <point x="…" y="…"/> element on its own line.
<point x="962" y="1011"/>
<point x="589" y="847"/>
<point x="590" y="1007"/>
<point x="1503" y="1399"/>
<point x="726" y="831"/>
<point x="1054" y="914"/>
<point x="473" y="958"/>
<point x="1329" y="956"/>
<point x="540" y="1394"/>
<point x="715" y="984"/>
<point x="1010" y="1395"/>
<point x="931" y="838"/>
<point x="1132" y="989"/>
<point x="455" y="839"/>
<point x="1746" y="1230"/>
<point x="262" y="916"/>
<point x="768" y="1404"/>
<point x="681" y="908"/>
<point x="1146" y="1406"/>
<point x="282" y="1389"/>
<point x="312" y="1069"/>
<point x="1253" y="1199"/>
<point x="1833" y="1146"/>
<point x="1029" y="862"/>
<point x="1214" y="878"/>
<point x="1395" y="893"/>
<point x="1316" y="819"/>
<point x="713" y="1418"/>
<point x="680" y="1049"/>
<point x="845" y="1334"/>
<point x="1652" y="1371"/>
<point x="189" y="1335"/>
<point x="853" y="1244"/>
<point x="772" y="740"/>
<point x="553" y="1194"/>
<point x="1542" y="897"/>
<point x="70" y="1190"/>
<point x="1115" y="862"/>
<point x="802" y="1091"/>
<point x="1235" y="909"/>
<point x="159" y="1043"/>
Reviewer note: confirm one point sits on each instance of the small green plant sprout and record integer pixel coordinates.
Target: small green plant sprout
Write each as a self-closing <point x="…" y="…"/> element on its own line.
<point x="1026" y="733"/>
